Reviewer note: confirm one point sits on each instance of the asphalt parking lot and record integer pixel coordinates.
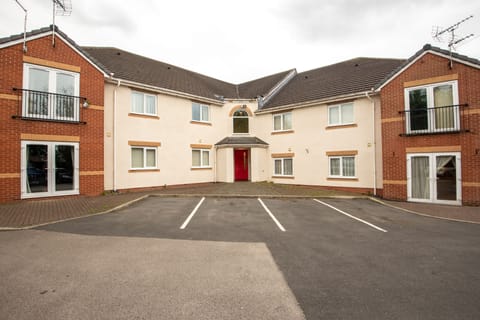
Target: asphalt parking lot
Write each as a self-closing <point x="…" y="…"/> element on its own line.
<point x="243" y="258"/>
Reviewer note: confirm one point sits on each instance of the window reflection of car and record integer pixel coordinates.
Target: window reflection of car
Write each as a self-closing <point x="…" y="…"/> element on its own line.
<point x="64" y="175"/>
<point x="446" y="172"/>
<point x="36" y="176"/>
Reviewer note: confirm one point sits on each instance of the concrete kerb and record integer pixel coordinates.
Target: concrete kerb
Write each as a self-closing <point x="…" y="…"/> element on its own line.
<point x="419" y="213"/>
<point x="272" y="196"/>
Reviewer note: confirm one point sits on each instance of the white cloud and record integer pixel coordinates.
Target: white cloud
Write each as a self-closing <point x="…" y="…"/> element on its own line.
<point x="239" y="41"/>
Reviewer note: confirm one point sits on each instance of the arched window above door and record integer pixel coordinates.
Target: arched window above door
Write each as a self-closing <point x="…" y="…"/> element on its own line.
<point x="240" y="121"/>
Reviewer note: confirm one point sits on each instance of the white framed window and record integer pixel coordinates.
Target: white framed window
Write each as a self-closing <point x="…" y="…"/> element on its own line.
<point x="49" y="168"/>
<point x="340" y="114"/>
<point x="143" y="157"/>
<point x="434" y="177"/>
<point x="282" y="121"/>
<point x="342" y="166"/>
<point x="200" y="158"/>
<point x="432" y="108"/>
<point x="200" y="112"/>
<point x="240" y="121"/>
<point x="50" y="93"/>
<point x="143" y="103"/>
<point x="283" y="167"/>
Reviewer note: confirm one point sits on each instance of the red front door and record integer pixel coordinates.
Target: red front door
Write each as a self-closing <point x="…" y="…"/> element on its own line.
<point x="241" y="165"/>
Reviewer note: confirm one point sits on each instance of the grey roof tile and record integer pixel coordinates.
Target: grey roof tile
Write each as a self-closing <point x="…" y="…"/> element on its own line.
<point x="241" y="141"/>
<point x="129" y="66"/>
<point x="347" y="77"/>
<point x="261" y="86"/>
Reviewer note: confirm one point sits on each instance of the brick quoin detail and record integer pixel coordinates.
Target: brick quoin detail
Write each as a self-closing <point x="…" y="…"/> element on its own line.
<point x="91" y="134"/>
<point x="394" y="146"/>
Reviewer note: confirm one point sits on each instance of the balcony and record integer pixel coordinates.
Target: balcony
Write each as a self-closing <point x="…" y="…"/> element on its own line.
<point x="438" y="120"/>
<point x="46" y="106"/>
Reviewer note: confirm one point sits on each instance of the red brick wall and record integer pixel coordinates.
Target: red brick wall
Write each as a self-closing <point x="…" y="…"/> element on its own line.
<point x="394" y="146"/>
<point x="91" y="133"/>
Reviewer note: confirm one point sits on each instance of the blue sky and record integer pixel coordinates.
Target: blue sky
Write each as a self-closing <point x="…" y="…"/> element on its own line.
<point x="238" y="41"/>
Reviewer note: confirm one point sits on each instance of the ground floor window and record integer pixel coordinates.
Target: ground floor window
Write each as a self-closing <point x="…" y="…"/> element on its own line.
<point x="49" y="168"/>
<point x="143" y="157"/>
<point x="283" y="167"/>
<point x="200" y="158"/>
<point x="434" y="177"/>
<point x="343" y="167"/>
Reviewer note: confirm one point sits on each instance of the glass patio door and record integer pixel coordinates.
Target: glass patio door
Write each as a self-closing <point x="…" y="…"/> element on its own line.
<point x="434" y="178"/>
<point x="49" y="169"/>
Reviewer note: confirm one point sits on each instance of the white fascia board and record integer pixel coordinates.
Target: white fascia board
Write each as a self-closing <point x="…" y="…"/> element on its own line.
<point x="317" y="102"/>
<point x="421" y="56"/>
<point x="57" y="35"/>
<point x="137" y="85"/>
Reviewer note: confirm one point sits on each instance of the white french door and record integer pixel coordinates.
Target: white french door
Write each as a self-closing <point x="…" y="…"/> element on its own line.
<point x="434" y="177"/>
<point x="49" y="169"/>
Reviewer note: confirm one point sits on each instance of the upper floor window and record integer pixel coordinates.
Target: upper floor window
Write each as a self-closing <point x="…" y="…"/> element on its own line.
<point x="432" y="108"/>
<point x="50" y="93"/>
<point x="143" y="103"/>
<point x="282" y="121"/>
<point x="240" y="121"/>
<point x="200" y="112"/>
<point x="340" y="114"/>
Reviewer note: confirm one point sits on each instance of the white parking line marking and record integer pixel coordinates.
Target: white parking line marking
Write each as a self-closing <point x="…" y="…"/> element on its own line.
<point x="279" y="225"/>
<point x="184" y="225"/>
<point x="349" y="215"/>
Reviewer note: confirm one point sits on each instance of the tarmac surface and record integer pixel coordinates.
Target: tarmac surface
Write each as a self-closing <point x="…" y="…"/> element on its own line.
<point x="30" y="213"/>
<point x="334" y="259"/>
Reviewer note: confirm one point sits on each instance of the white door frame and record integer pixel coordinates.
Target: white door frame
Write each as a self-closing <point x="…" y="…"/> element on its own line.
<point x="433" y="177"/>
<point x="50" y="169"/>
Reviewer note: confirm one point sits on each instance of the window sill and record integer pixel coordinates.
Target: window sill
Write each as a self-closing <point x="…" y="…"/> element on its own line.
<point x="143" y="170"/>
<point x="145" y="116"/>
<point x="342" y="179"/>
<point x="203" y="123"/>
<point x="200" y="168"/>
<point x="283" y="177"/>
<point x="282" y="132"/>
<point x="341" y="126"/>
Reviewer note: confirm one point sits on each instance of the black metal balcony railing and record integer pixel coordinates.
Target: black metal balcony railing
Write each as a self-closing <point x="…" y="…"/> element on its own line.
<point x="448" y="119"/>
<point x="46" y="106"/>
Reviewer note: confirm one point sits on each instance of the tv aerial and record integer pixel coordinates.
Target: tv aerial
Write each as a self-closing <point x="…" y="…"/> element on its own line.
<point x="60" y="8"/>
<point x="439" y="34"/>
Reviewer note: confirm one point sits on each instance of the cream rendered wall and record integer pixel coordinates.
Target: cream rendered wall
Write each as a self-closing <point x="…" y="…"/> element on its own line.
<point x="259" y="169"/>
<point x="225" y="172"/>
<point x="173" y="130"/>
<point x="311" y="140"/>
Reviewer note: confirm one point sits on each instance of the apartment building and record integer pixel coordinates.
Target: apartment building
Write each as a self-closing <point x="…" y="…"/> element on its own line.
<point x="169" y="126"/>
<point x="81" y="120"/>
